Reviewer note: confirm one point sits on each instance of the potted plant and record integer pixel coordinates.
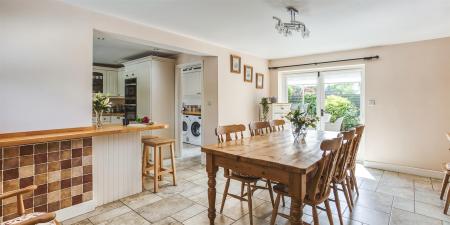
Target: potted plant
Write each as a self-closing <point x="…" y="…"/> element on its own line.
<point x="300" y="121"/>
<point x="265" y="108"/>
<point x="100" y="104"/>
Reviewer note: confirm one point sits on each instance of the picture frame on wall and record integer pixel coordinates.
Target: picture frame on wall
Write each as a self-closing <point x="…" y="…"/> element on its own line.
<point x="235" y="64"/>
<point x="248" y="73"/>
<point x="259" y="80"/>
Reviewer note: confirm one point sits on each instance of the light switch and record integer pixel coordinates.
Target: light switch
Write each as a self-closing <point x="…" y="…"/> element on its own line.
<point x="372" y="102"/>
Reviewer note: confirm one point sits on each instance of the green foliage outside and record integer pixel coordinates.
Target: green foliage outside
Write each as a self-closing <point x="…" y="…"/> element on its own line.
<point x="341" y="107"/>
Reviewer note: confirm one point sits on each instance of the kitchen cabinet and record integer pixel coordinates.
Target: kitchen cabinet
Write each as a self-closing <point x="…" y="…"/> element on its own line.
<point x="191" y="83"/>
<point x="116" y="119"/>
<point x="110" y="79"/>
<point x="121" y="82"/>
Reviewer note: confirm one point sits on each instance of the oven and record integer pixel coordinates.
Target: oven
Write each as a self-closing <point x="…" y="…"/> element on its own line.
<point x="131" y="99"/>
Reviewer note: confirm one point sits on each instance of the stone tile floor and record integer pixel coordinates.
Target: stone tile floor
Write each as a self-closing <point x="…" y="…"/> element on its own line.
<point x="386" y="198"/>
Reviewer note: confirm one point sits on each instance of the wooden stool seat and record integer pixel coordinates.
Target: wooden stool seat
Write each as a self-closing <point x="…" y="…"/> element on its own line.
<point x="146" y="137"/>
<point x="156" y="167"/>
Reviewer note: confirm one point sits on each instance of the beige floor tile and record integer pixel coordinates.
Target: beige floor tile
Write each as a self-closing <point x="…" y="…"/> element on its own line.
<point x="83" y="222"/>
<point x="245" y="220"/>
<point x="141" y="199"/>
<point x="164" y="208"/>
<point x="97" y="211"/>
<point x="323" y="220"/>
<point x="429" y="197"/>
<point x="400" y="217"/>
<point x="189" y="212"/>
<point x="167" y="221"/>
<point x="202" y="219"/>
<point x="403" y="204"/>
<point x="235" y="209"/>
<point x="367" y="216"/>
<point x="374" y="200"/>
<point x="130" y="218"/>
<point x="431" y="211"/>
<point x="109" y="214"/>
<point x="202" y="198"/>
<point x="398" y="191"/>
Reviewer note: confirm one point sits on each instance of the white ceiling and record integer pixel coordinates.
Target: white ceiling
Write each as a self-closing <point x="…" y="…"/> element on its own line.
<point x="247" y="25"/>
<point x="109" y="49"/>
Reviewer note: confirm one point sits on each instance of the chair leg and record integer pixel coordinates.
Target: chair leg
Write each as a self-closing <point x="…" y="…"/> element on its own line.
<point x="444" y="185"/>
<point x="284" y="203"/>
<point x="338" y="204"/>
<point x="269" y="187"/>
<point x="160" y="161"/>
<point x="350" y="194"/>
<point x="355" y="183"/>
<point x="250" y="207"/>
<point x="328" y="208"/>
<point x="315" y="215"/>
<point x="347" y="198"/>
<point x="275" y="210"/>
<point x="225" y="193"/>
<point x="242" y="189"/>
<point x="156" y="171"/>
<point x="447" y="202"/>
<point x="174" y="169"/>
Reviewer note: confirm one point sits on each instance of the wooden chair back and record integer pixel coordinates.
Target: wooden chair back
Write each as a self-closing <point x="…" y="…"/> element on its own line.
<point x="226" y="133"/>
<point x="277" y="125"/>
<point x="343" y="158"/>
<point x="259" y="128"/>
<point x="359" y="130"/>
<point x="319" y="189"/>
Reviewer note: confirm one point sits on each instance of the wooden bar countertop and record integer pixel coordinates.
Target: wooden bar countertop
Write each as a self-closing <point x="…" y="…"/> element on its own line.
<point x="30" y="137"/>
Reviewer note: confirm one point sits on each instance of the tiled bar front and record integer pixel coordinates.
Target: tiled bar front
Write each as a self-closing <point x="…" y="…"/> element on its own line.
<point x="62" y="171"/>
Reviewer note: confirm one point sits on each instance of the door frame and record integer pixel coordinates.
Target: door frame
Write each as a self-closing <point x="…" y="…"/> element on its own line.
<point x="179" y="104"/>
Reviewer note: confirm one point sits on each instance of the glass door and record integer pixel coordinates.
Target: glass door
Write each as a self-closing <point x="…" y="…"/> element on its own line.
<point x="335" y="96"/>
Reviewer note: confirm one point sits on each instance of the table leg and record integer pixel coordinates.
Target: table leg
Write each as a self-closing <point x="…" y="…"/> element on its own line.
<point x="211" y="169"/>
<point x="297" y="184"/>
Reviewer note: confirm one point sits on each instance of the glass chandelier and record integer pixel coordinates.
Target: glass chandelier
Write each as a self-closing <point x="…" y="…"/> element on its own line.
<point x="294" y="25"/>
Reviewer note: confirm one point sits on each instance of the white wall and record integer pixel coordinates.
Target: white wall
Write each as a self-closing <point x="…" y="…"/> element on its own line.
<point x="411" y="86"/>
<point x="46" y="62"/>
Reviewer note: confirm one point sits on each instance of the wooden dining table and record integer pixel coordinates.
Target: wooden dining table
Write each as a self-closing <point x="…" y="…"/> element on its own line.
<point x="273" y="156"/>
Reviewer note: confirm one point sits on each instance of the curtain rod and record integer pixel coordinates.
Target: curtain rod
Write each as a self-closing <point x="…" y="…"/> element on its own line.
<point x="325" y="62"/>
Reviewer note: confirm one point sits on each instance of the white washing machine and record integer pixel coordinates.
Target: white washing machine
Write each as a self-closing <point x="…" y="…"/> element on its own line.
<point x="186" y="128"/>
<point x="194" y="135"/>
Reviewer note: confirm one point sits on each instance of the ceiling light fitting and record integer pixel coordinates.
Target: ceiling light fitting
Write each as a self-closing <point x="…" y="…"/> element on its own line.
<point x="294" y="25"/>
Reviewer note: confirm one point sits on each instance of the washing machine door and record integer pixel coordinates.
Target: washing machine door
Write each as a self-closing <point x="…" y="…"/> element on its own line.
<point x="195" y="129"/>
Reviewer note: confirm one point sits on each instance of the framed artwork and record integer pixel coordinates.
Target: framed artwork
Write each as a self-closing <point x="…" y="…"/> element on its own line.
<point x="248" y="73"/>
<point x="259" y="80"/>
<point x="235" y="64"/>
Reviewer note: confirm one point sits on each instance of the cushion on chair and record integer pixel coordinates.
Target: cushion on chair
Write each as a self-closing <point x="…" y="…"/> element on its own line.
<point x="237" y="174"/>
<point x="26" y="217"/>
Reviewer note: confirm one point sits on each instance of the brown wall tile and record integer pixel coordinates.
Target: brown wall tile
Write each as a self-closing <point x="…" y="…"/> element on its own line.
<point x="67" y="144"/>
<point x="40" y="148"/>
<point x="54" y="206"/>
<point x="66" y="193"/>
<point x="26" y="160"/>
<point x="66" y="164"/>
<point x="39" y="169"/>
<point x="53" y="196"/>
<point x="65" y="154"/>
<point x="10" y="163"/>
<point x="42" y="208"/>
<point x="10" y="174"/>
<point x="54" y="186"/>
<point x="28" y="203"/>
<point x="87" y="160"/>
<point x="10" y="185"/>
<point x="25" y="182"/>
<point x="53" y="156"/>
<point x="77" y="143"/>
<point x="77" y="162"/>
<point x="40" y="179"/>
<point x="41" y="189"/>
<point x="54" y="176"/>
<point x="66" y="174"/>
<point x="77" y="181"/>
<point x="40" y="200"/>
<point x="9" y="209"/>
<point x="87" y="187"/>
<point x="87" y="178"/>
<point x="9" y="217"/>
<point x="87" y="142"/>
<point x="77" y="171"/>
<point x="11" y="152"/>
<point x="54" y="166"/>
<point x="26" y="150"/>
<point x="66" y="203"/>
<point x="53" y="146"/>
<point x="26" y="171"/>
<point x="87" y="151"/>
<point x="66" y="183"/>
<point x="77" y="199"/>
<point x="87" y="196"/>
<point x="40" y="158"/>
<point x="77" y="152"/>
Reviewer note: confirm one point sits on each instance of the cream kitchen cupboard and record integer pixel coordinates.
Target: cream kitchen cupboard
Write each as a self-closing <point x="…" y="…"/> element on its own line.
<point x="276" y="111"/>
<point x="109" y="79"/>
<point x="121" y="82"/>
<point x="155" y="79"/>
<point x="192" y="83"/>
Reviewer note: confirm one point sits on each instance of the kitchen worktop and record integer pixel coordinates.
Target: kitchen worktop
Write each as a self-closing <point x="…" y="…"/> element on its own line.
<point x="22" y="138"/>
<point x="192" y="113"/>
<point x="111" y="114"/>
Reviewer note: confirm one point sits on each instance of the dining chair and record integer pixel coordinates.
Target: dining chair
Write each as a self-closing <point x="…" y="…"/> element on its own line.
<point x="277" y="125"/>
<point x="359" y="130"/>
<point x="261" y="128"/>
<point x="335" y="126"/>
<point x="319" y="182"/>
<point x="230" y="133"/>
<point x="340" y="175"/>
<point x="23" y="218"/>
<point x="444" y="187"/>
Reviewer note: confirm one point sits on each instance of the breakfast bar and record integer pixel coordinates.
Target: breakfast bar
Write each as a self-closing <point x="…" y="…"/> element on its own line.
<point x="75" y="169"/>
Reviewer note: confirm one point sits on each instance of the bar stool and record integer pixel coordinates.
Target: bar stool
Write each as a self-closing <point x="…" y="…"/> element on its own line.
<point x="157" y="167"/>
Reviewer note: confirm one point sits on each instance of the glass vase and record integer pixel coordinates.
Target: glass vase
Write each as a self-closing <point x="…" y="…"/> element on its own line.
<point x="299" y="133"/>
<point x="98" y="119"/>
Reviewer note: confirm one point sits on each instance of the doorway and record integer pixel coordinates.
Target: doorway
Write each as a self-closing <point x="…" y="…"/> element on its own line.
<point x="332" y="94"/>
